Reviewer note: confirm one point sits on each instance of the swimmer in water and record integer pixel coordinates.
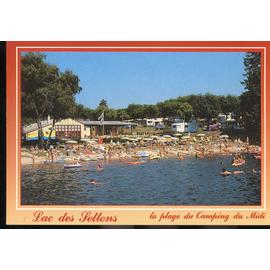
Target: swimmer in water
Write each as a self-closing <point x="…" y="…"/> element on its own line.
<point x="238" y="172"/>
<point x="225" y="172"/>
<point x="180" y="157"/>
<point x="94" y="182"/>
<point x="100" y="168"/>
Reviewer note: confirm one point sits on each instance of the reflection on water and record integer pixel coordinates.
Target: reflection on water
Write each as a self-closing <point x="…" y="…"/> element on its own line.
<point x="164" y="182"/>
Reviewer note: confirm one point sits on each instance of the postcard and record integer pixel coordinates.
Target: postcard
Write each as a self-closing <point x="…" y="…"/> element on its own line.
<point x="137" y="133"/>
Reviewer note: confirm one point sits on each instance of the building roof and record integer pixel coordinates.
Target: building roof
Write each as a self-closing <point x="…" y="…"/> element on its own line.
<point x="45" y="123"/>
<point x="33" y="127"/>
<point x="106" y="123"/>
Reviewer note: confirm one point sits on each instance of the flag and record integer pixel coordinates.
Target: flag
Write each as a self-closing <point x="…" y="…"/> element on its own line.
<point x="101" y="118"/>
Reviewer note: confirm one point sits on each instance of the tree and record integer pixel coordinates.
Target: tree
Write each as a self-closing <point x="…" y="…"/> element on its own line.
<point x="250" y="100"/>
<point x="197" y="103"/>
<point x="150" y="111"/>
<point x="122" y="114"/>
<point x="38" y="79"/>
<point x="229" y="103"/>
<point x="62" y="99"/>
<point x="103" y="103"/>
<point x="185" y="111"/>
<point x="169" y="108"/>
<point x="135" y="111"/>
<point x="211" y="107"/>
<point x="46" y="90"/>
<point x="82" y="112"/>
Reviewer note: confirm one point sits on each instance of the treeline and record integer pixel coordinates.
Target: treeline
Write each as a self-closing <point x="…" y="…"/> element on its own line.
<point x="200" y="106"/>
<point x="48" y="91"/>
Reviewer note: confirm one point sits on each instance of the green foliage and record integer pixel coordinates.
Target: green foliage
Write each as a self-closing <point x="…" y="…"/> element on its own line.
<point x="229" y="103"/>
<point x="103" y="104"/>
<point x="135" y="111"/>
<point x="46" y="90"/>
<point x="150" y="111"/>
<point x="122" y="114"/>
<point x="185" y="111"/>
<point x="250" y="104"/>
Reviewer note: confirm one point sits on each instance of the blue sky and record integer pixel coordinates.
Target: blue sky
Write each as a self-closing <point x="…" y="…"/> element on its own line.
<point x="147" y="78"/>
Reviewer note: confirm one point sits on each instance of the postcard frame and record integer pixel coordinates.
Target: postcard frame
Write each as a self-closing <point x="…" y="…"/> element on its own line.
<point x="16" y="216"/>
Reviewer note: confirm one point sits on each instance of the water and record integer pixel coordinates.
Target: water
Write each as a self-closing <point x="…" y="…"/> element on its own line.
<point x="165" y="182"/>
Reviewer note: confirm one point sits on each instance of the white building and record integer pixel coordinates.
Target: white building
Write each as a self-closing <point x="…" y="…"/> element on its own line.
<point x="181" y="126"/>
<point x="152" y="122"/>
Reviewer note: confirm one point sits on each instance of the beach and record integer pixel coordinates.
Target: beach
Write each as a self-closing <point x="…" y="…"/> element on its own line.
<point x="133" y="148"/>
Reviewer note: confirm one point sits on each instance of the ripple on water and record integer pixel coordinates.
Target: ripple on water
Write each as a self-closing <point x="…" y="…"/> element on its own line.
<point x="168" y="181"/>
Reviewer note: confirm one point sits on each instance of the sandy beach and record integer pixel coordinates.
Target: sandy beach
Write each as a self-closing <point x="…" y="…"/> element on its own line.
<point x="158" y="148"/>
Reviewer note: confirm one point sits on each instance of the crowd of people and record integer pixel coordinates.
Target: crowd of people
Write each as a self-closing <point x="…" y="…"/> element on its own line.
<point x="129" y="152"/>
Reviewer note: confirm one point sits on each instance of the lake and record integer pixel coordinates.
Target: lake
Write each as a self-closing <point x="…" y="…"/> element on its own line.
<point x="162" y="182"/>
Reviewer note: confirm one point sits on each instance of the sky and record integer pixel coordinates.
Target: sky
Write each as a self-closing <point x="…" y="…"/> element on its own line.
<point x="123" y="78"/>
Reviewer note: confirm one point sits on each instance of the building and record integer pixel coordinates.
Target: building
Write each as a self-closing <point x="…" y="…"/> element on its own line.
<point x="112" y="128"/>
<point x="227" y="121"/>
<point x="151" y="122"/>
<point x="30" y="132"/>
<point x="179" y="126"/>
<point x="182" y="126"/>
<point x="191" y="126"/>
<point x="80" y="129"/>
<point x="69" y="129"/>
<point x="76" y="129"/>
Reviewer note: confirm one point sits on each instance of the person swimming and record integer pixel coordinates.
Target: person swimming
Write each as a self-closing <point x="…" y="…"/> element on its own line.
<point x="225" y="172"/>
<point x="180" y="157"/>
<point x="94" y="182"/>
<point x="238" y="172"/>
<point x="100" y="168"/>
<point x="238" y="160"/>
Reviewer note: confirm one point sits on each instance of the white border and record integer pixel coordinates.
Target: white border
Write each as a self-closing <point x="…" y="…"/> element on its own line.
<point x="134" y="208"/>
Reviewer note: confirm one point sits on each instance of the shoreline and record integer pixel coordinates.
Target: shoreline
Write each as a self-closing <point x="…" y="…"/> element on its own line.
<point x="151" y="153"/>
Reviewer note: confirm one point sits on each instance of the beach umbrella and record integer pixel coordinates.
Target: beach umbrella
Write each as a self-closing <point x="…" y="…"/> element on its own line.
<point x="133" y="140"/>
<point x="224" y="136"/>
<point x="85" y="140"/>
<point x="72" y="142"/>
<point x="148" y="139"/>
<point x="178" y="135"/>
<point x="167" y="136"/>
<point x="92" y="142"/>
<point x="161" y="139"/>
<point x="200" y="135"/>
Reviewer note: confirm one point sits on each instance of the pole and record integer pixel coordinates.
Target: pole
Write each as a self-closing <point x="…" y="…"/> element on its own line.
<point x="103" y="124"/>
